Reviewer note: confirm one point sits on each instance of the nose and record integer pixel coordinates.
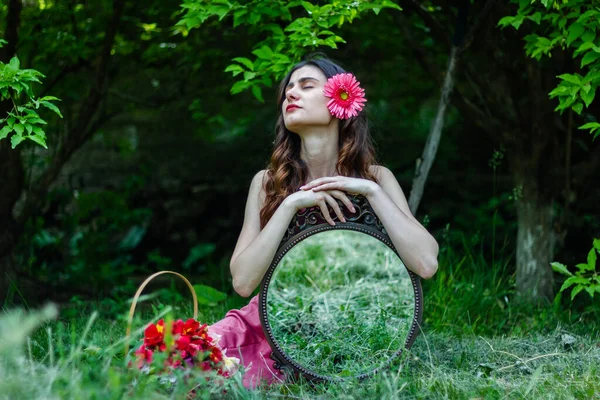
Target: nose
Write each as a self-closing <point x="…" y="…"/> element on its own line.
<point x="291" y="95"/>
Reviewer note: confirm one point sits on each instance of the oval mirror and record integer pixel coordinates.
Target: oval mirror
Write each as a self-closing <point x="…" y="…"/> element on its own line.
<point x="337" y="301"/>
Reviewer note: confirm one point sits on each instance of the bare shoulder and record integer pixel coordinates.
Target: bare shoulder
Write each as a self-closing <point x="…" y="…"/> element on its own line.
<point x="381" y="172"/>
<point x="260" y="178"/>
<point x="389" y="184"/>
<point x="257" y="187"/>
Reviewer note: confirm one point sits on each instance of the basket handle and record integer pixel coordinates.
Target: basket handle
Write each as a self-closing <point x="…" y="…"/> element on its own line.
<point x="139" y="292"/>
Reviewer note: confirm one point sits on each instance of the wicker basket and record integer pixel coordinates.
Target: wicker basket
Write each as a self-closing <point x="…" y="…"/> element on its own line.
<point x="139" y="292"/>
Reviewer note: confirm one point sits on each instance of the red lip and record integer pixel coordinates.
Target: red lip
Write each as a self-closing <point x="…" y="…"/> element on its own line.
<point x="291" y="107"/>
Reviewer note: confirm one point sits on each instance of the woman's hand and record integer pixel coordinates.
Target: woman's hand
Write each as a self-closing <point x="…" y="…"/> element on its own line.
<point x="309" y="198"/>
<point x="345" y="183"/>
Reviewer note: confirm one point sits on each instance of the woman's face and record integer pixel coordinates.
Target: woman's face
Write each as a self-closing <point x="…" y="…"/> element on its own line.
<point x="305" y="105"/>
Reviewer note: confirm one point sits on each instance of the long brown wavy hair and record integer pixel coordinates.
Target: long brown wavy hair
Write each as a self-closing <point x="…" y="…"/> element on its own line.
<point x="286" y="171"/>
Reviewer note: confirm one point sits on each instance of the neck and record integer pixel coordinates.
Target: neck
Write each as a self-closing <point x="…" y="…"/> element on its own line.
<point x="319" y="150"/>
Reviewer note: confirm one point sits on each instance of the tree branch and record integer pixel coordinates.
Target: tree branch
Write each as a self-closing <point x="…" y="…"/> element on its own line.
<point x="62" y="74"/>
<point x="438" y="32"/>
<point x="474" y="30"/>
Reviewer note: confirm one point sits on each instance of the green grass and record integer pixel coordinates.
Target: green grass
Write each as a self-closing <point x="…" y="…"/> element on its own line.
<point x="477" y="342"/>
<point x="340" y="303"/>
<point x="64" y="363"/>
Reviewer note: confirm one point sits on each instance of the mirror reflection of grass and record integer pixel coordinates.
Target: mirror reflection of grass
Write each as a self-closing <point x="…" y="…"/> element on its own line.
<point x="340" y="303"/>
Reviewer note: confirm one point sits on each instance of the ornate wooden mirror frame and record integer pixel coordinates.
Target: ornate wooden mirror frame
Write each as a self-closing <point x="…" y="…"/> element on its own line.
<point x="309" y="222"/>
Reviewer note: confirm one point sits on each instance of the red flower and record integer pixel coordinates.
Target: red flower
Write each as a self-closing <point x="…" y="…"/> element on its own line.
<point x="183" y="342"/>
<point x="177" y="327"/>
<point x="154" y="334"/>
<point x="216" y="355"/>
<point x="144" y="355"/>
<point x="190" y="327"/>
<point x="191" y="346"/>
<point x="347" y="97"/>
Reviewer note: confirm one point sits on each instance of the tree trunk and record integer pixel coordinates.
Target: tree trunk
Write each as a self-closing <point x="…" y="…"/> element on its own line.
<point x="535" y="241"/>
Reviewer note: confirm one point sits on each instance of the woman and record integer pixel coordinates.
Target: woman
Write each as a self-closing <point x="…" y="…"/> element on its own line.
<point x="322" y="150"/>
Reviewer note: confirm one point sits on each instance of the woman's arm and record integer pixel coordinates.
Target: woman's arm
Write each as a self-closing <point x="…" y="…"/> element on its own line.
<point x="256" y="248"/>
<point x="417" y="248"/>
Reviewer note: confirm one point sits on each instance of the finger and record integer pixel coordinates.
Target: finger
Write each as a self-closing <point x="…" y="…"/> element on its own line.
<point x="318" y="182"/>
<point x="342" y="196"/>
<point x="325" y="211"/>
<point x="329" y="186"/>
<point x="335" y="206"/>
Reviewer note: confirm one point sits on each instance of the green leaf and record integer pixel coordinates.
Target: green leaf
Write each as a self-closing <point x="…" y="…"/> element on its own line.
<point x="570" y="78"/>
<point x="39" y="140"/>
<point x="559" y="90"/>
<point x="239" y="86"/>
<point x="596" y="241"/>
<point x="592" y="125"/>
<point x="565" y="102"/>
<point x="237" y="17"/>
<point x="591" y="289"/>
<point x="585" y="46"/>
<point x="208" y="296"/>
<point x="588" y="36"/>
<point x="10" y="121"/>
<point x="37" y="121"/>
<point x="246" y="62"/>
<point x="576" y="291"/>
<point x="561" y="268"/>
<point x="589" y="58"/>
<point x="14" y="63"/>
<point x="588" y="97"/>
<point x="586" y="88"/>
<point x="518" y="21"/>
<point x="591" y="259"/>
<point x="248" y="76"/>
<point x="49" y="98"/>
<point x="309" y="7"/>
<point x="5" y="131"/>
<point x="15" y="140"/>
<point x="583" y="267"/>
<point x="536" y="17"/>
<point x="573" y="91"/>
<point x="52" y="107"/>
<point x="571" y="281"/>
<point x="257" y="92"/>
<point x="575" y="31"/>
<point x="264" y="52"/>
<point x="19" y="129"/>
<point x="39" y="131"/>
<point x="577" y="107"/>
<point x="235" y="69"/>
<point x="391" y="4"/>
<point x="504" y="22"/>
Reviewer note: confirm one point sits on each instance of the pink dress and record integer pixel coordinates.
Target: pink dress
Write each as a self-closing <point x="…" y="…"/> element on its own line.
<point x="242" y="337"/>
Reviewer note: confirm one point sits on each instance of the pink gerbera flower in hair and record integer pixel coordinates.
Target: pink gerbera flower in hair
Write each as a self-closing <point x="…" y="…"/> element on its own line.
<point x="347" y="97"/>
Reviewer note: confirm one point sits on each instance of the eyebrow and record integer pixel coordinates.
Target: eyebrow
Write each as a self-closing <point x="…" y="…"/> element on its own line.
<point x="302" y="80"/>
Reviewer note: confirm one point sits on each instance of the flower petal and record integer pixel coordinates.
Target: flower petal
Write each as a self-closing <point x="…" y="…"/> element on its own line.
<point x="344" y="85"/>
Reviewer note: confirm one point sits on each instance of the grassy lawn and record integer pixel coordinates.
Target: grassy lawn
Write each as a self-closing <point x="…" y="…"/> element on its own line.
<point x="63" y="361"/>
<point x="476" y="343"/>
